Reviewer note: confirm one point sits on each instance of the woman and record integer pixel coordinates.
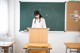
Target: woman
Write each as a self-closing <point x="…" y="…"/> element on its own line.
<point x="38" y="21"/>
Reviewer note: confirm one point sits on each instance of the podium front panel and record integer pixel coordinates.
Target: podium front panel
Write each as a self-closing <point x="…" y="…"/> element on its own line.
<point x="38" y="35"/>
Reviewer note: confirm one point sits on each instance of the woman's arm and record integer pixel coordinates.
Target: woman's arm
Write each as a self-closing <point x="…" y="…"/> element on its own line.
<point x="44" y="23"/>
<point x="33" y="23"/>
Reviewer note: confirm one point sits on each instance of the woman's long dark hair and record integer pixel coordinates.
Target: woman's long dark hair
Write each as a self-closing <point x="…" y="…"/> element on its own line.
<point x="36" y="12"/>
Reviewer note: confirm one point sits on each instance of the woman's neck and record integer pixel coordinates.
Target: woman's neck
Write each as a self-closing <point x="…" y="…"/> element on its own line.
<point x="37" y="18"/>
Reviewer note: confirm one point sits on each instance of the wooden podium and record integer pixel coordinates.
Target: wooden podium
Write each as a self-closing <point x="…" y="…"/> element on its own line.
<point x="38" y="41"/>
<point x="38" y="35"/>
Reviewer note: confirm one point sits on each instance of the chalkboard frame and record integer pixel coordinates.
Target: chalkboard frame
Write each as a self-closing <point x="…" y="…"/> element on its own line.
<point x="43" y="2"/>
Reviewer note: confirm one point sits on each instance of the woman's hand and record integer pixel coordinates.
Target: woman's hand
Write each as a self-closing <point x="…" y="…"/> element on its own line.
<point x="26" y="30"/>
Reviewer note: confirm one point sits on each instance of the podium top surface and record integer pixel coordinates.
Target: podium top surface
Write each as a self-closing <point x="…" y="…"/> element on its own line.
<point x="38" y="28"/>
<point x="37" y="45"/>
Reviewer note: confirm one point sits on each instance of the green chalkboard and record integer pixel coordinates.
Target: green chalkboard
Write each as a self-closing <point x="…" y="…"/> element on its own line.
<point x="53" y="12"/>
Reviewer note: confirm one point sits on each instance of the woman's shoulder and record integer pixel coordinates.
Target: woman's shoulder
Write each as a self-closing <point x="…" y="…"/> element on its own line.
<point x="33" y="18"/>
<point x="42" y="19"/>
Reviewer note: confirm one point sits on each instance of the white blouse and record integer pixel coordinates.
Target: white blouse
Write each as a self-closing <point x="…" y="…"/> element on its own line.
<point x="38" y="24"/>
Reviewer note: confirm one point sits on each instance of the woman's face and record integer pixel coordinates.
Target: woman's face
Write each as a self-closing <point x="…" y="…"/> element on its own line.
<point x="37" y="16"/>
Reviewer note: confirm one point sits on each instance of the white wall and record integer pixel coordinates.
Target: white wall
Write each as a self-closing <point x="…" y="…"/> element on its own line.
<point x="11" y="17"/>
<point x="56" y="39"/>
